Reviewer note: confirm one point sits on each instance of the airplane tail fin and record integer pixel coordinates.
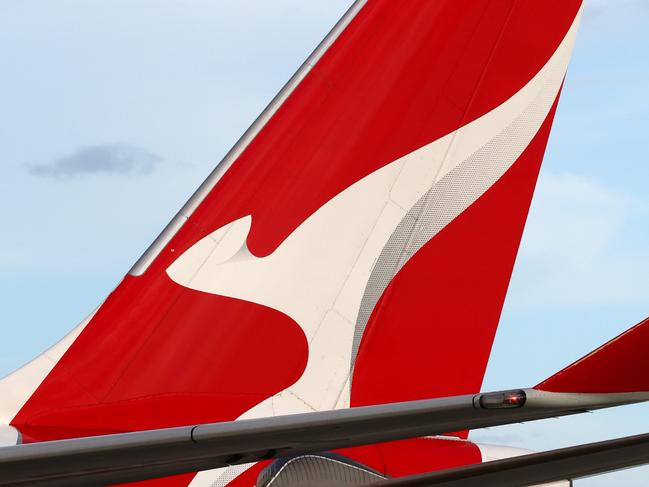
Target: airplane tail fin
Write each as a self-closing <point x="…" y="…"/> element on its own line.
<point x="358" y="240"/>
<point x="618" y="367"/>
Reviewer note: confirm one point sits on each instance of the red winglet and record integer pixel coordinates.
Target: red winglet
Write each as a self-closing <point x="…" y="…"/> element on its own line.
<point x="622" y="365"/>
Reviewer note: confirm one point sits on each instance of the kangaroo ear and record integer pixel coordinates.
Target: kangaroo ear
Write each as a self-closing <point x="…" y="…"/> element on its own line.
<point x="230" y="240"/>
<point x="219" y="247"/>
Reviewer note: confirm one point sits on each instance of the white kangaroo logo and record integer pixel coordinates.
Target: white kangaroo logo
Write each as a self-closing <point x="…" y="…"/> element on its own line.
<point x="318" y="276"/>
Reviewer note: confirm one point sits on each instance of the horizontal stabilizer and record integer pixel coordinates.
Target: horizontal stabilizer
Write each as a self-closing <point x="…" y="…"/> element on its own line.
<point x="129" y="457"/>
<point x="618" y="367"/>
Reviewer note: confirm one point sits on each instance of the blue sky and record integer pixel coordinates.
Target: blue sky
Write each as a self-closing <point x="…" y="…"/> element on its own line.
<point x="153" y="93"/>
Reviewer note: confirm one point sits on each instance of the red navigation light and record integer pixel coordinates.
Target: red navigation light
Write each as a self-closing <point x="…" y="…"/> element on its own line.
<point x="514" y="399"/>
<point x="503" y="400"/>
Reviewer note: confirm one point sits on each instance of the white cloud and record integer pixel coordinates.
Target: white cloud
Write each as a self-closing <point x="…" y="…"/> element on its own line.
<point x="596" y="8"/>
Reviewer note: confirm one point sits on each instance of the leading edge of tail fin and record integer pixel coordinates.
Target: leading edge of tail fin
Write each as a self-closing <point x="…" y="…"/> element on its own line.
<point x="620" y="366"/>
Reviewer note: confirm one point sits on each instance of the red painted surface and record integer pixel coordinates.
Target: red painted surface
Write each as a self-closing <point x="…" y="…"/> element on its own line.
<point x="401" y="76"/>
<point x="414" y="456"/>
<point x="204" y="359"/>
<point x="368" y="455"/>
<point x="617" y="367"/>
<point x="419" y="455"/>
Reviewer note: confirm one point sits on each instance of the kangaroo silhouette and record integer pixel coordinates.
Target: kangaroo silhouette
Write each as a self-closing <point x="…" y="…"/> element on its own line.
<point x="319" y="274"/>
<point x="335" y="262"/>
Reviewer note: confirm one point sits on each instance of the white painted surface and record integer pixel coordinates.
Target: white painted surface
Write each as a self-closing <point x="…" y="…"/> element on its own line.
<point x="497" y="452"/>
